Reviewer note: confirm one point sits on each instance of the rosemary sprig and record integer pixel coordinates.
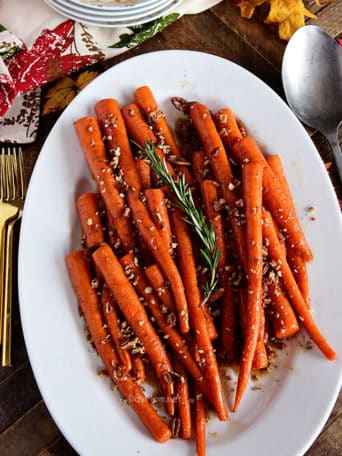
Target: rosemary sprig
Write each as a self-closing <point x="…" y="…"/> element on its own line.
<point x="194" y="216"/>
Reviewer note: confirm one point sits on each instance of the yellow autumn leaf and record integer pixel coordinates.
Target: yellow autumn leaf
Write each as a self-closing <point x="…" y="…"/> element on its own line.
<point x="289" y="14"/>
<point x="59" y="95"/>
<point x="84" y="78"/>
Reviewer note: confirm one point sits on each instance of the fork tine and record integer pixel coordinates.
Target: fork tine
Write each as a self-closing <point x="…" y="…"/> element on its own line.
<point x="10" y="181"/>
<point x="21" y="174"/>
<point x="2" y="166"/>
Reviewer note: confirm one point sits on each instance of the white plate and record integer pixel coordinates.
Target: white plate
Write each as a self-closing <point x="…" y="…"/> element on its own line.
<point x="285" y="415"/>
<point x="124" y="21"/>
<point x="86" y="16"/>
<point x="83" y="8"/>
<point x="112" y="4"/>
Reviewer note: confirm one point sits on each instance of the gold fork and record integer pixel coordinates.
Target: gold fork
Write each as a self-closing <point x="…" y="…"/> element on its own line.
<point x="13" y="190"/>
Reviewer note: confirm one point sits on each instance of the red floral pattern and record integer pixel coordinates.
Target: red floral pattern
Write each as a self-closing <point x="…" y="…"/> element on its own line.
<point x="47" y="60"/>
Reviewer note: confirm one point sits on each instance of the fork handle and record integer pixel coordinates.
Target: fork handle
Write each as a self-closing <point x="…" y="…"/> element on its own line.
<point x="7" y="212"/>
<point x="2" y="271"/>
<point x="7" y="297"/>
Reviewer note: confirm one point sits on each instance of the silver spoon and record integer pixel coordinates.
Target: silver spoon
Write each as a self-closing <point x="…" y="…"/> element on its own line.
<point x="312" y="80"/>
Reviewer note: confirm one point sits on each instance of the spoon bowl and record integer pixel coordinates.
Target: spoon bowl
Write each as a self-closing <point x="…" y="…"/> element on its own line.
<point x="312" y="81"/>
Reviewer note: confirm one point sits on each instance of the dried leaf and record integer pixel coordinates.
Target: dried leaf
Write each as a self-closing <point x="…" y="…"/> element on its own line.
<point x="64" y="90"/>
<point x="84" y="79"/>
<point x="59" y="95"/>
<point x="288" y="14"/>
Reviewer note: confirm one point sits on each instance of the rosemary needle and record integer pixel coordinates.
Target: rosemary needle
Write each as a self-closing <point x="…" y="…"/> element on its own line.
<point x="194" y="216"/>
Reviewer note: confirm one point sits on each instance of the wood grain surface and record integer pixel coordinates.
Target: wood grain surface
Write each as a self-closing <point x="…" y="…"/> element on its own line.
<point x="26" y="428"/>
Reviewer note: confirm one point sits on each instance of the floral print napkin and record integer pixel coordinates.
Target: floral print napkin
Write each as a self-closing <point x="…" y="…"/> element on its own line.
<point x="38" y="45"/>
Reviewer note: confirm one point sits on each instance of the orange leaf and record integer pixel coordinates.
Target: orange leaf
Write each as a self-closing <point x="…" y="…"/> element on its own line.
<point x="84" y="78"/>
<point x="59" y="95"/>
<point x="288" y="14"/>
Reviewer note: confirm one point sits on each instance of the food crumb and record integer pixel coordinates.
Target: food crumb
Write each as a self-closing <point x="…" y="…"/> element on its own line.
<point x="213" y="434"/>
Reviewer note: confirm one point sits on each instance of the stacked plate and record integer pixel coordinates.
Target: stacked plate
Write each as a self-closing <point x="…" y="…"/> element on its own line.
<point x="113" y="13"/>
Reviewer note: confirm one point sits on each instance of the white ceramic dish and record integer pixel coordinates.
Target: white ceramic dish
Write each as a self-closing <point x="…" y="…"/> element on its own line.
<point x="120" y="21"/>
<point x="109" y="17"/>
<point x="112" y="4"/>
<point x="96" y="12"/>
<point x="281" y="413"/>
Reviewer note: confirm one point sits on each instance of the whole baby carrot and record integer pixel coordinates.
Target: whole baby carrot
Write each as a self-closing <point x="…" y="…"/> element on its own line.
<point x="90" y="137"/>
<point x="81" y="279"/>
<point x="291" y="287"/>
<point x="252" y="195"/>
<point x="294" y="257"/>
<point x="113" y="127"/>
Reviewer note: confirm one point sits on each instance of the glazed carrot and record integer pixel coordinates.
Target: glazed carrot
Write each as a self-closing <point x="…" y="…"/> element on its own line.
<point x="260" y="360"/>
<point x="124" y="230"/>
<point x="228" y="322"/>
<point x="156" y="203"/>
<point x="90" y="137"/>
<point x="138" y="368"/>
<point x="292" y="290"/>
<point x="112" y="321"/>
<point x="275" y="197"/>
<point x="165" y="322"/>
<point x="228" y="127"/>
<point x="144" y="98"/>
<point x="160" y="286"/>
<point x="155" y="243"/>
<point x="283" y="318"/>
<point x="140" y="131"/>
<point x="210" y="198"/>
<point x="252" y="196"/>
<point x="188" y="268"/>
<point x="298" y="267"/>
<point x="81" y="277"/>
<point x="136" y="316"/>
<point x="294" y="258"/>
<point x="200" y="423"/>
<point x="144" y="171"/>
<point x="212" y="333"/>
<point x="215" y="151"/>
<point x="113" y="127"/>
<point x="200" y="166"/>
<point x="183" y="400"/>
<point x="90" y="217"/>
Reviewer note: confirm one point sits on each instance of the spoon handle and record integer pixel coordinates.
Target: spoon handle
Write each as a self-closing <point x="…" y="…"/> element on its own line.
<point x="332" y="137"/>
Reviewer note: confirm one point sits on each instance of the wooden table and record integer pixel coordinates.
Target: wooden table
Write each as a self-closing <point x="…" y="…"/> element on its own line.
<point x="26" y="427"/>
